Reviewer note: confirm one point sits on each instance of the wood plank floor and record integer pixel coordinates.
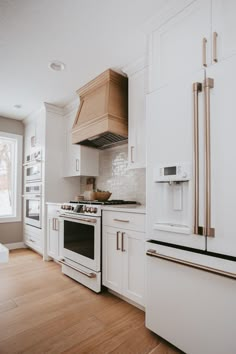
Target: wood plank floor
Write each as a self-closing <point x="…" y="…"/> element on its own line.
<point x="43" y="311"/>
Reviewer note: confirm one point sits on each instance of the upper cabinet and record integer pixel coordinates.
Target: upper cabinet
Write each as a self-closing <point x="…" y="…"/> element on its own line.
<point x="34" y="133"/>
<point x="137" y="74"/>
<point x="180" y="47"/>
<point x="223" y="29"/>
<point x="79" y="160"/>
<point x="200" y="35"/>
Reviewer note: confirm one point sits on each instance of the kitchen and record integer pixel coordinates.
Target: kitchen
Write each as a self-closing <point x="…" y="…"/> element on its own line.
<point x="174" y="239"/>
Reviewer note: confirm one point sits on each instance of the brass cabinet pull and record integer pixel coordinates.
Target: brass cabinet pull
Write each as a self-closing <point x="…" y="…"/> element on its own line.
<point x="208" y="85"/>
<point x="122" y="241"/>
<point x="56" y="225"/>
<point x="132" y="154"/>
<point x="197" y="87"/>
<point x="204" y="44"/>
<point x="117" y="241"/>
<point x="215" y="35"/>
<point x="77" y="165"/>
<point x="120" y="220"/>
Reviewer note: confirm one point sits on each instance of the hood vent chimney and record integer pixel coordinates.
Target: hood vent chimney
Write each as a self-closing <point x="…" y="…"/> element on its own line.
<point x="102" y="118"/>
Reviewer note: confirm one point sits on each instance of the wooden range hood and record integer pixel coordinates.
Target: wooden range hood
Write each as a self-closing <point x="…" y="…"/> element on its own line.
<point x="102" y="117"/>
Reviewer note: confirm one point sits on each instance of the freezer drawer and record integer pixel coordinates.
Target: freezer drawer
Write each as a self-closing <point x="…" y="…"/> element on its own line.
<point x="192" y="308"/>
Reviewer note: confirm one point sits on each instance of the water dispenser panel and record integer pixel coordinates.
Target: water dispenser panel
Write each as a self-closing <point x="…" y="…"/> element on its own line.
<point x="178" y="172"/>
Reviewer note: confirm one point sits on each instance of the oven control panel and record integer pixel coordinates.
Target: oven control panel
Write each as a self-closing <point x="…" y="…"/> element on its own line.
<point x="81" y="209"/>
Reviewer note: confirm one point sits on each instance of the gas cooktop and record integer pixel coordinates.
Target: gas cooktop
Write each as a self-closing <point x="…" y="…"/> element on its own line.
<point x="108" y="202"/>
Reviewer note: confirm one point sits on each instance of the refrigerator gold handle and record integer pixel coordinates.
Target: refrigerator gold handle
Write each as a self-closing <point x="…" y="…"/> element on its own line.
<point x="208" y="85"/>
<point x="197" y="87"/>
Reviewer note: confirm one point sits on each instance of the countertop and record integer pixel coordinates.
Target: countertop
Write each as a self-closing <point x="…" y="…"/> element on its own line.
<point x="128" y="208"/>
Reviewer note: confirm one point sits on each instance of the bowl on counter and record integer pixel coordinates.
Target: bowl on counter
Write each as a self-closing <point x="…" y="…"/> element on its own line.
<point x="102" y="196"/>
<point x="90" y="195"/>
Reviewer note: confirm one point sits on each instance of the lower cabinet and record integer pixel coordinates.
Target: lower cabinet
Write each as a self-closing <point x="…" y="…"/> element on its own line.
<point x="33" y="238"/>
<point x="54" y="224"/>
<point x="124" y="262"/>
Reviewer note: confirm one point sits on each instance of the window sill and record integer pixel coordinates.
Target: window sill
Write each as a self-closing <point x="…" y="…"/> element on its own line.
<point x="10" y="219"/>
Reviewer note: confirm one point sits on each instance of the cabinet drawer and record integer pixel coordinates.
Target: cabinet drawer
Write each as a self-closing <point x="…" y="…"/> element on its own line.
<point x="53" y="210"/>
<point x="124" y="220"/>
<point x="33" y="241"/>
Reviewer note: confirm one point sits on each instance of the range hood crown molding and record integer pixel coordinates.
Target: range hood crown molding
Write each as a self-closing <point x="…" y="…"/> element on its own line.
<point x="102" y="117"/>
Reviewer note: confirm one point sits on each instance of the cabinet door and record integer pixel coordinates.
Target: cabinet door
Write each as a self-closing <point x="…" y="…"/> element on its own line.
<point x="134" y="265"/>
<point x="112" y="259"/>
<point x="177" y="46"/>
<point x="224" y="24"/>
<point x="53" y="237"/>
<point x="80" y="160"/>
<point x="72" y="157"/>
<point x="223" y="147"/>
<point x="137" y="122"/>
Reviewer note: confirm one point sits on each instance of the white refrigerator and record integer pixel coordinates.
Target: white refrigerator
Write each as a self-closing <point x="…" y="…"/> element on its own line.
<point x="191" y="211"/>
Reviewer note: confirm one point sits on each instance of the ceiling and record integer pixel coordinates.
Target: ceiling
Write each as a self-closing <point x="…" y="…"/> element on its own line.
<point x="89" y="36"/>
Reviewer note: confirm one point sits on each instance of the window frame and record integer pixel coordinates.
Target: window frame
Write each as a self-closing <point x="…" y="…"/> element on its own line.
<point x="17" y="217"/>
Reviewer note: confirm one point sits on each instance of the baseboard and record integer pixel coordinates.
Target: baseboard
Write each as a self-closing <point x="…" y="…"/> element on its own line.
<point x="140" y="307"/>
<point x="15" y="246"/>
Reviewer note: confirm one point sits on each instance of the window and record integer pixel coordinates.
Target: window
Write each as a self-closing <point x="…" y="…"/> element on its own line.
<point x="10" y="177"/>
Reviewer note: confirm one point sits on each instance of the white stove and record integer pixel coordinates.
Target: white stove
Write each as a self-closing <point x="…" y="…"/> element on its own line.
<point x="81" y="235"/>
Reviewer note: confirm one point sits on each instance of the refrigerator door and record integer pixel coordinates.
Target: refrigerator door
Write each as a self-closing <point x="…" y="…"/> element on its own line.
<point x="191" y="308"/>
<point x="170" y="133"/>
<point x="223" y="163"/>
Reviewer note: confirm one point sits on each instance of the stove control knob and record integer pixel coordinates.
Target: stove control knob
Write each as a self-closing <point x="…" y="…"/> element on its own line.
<point x="95" y="210"/>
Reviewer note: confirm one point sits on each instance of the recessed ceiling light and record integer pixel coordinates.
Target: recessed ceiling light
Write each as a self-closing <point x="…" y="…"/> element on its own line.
<point x="18" y="106"/>
<point x="56" y="65"/>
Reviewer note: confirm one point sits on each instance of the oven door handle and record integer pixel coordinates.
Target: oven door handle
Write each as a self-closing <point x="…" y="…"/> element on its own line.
<point x="65" y="217"/>
<point x="89" y="275"/>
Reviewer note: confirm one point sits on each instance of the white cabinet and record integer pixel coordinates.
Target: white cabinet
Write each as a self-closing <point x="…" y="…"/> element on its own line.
<point x="177" y="46"/>
<point x="47" y="125"/>
<point x="34" y="136"/>
<point x="137" y="74"/>
<point x="54" y="244"/>
<point x="202" y="34"/>
<point x="112" y="259"/>
<point x="79" y="160"/>
<point x="224" y="25"/>
<point x="123" y="257"/>
<point x="33" y="238"/>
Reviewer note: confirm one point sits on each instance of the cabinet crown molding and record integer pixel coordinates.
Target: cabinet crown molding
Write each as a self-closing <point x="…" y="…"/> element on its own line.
<point x="52" y="108"/>
<point x="167" y="11"/>
<point x="135" y="66"/>
<point x="72" y="106"/>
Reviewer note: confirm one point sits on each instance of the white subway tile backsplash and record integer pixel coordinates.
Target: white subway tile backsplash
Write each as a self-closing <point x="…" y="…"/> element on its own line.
<point x="115" y="176"/>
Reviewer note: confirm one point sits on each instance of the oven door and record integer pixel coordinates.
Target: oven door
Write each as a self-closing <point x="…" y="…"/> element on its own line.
<point x="33" y="172"/>
<point x="82" y="241"/>
<point x="33" y="210"/>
